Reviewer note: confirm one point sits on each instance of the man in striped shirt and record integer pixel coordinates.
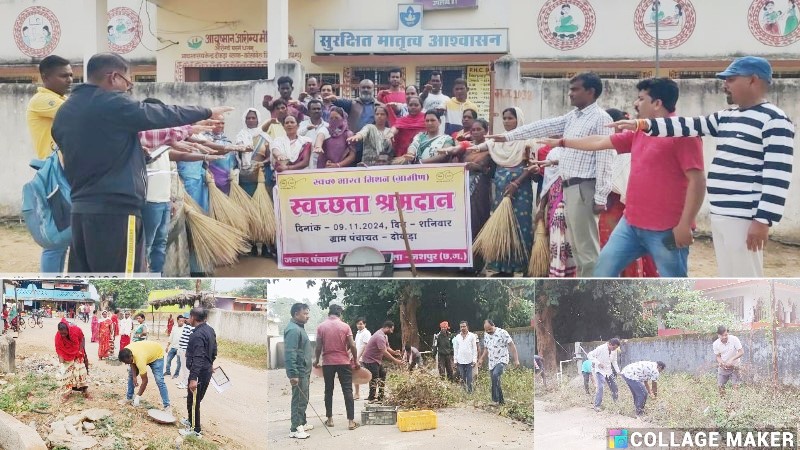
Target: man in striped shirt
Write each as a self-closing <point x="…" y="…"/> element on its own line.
<point x="183" y="344"/>
<point x="586" y="175"/>
<point x="748" y="180"/>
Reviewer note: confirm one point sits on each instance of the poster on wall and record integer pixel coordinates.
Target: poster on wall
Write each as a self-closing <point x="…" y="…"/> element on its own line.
<point x="124" y="30"/>
<point x="774" y="23"/>
<point x="37" y="31"/>
<point x="480" y="86"/>
<point x="675" y="21"/>
<point x="566" y="25"/>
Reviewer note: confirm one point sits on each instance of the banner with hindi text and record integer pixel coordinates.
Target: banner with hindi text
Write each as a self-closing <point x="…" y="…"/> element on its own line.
<point x="322" y="214"/>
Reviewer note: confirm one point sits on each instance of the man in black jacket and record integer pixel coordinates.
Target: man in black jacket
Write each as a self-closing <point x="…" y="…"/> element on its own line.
<point x="96" y="130"/>
<point x="200" y="355"/>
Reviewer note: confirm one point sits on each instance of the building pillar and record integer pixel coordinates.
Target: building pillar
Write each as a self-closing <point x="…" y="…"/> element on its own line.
<point x="277" y="34"/>
<point x="95" y="13"/>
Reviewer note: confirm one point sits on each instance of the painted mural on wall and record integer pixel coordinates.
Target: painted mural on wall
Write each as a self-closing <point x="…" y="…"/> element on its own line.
<point x="675" y="19"/>
<point x="566" y="25"/>
<point x="774" y="22"/>
<point x="124" y="30"/>
<point x="37" y="31"/>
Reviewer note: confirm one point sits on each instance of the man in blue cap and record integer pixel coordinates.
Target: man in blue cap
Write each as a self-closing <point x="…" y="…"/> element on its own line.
<point x="749" y="178"/>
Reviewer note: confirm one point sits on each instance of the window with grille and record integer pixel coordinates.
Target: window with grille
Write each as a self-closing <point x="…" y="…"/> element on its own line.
<point x="449" y="75"/>
<point x="547" y="75"/>
<point x="16" y="80"/>
<point x="735" y="305"/>
<point x="145" y="78"/>
<point x="378" y="75"/>
<point x="326" y="78"/>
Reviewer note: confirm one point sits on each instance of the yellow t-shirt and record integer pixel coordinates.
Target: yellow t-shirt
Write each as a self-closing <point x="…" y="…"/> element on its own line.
<point x="455" y="110"/>
<point x="144" y="353"/>
<point x="41" y="111"/>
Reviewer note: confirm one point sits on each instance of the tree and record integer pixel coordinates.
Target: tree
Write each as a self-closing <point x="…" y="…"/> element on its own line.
<point x="127" y="294"/>
<point x="701" y="314"/>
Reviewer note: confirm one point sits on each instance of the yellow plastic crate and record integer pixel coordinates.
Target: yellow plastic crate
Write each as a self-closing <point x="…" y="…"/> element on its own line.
<point x="416" y="420"/>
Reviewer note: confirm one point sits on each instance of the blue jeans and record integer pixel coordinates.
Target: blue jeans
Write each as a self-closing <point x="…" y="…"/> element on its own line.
<point x="628" y="243"/>
<point x="173" y="352"/>
<point x="155" y="217"/>
<point x="639" y="394"/>
<point x="601" y="381"/>
<point x="497" y="390"/>
<point x="53" y="259"/>
<point x="465" y="373"/>
<point x="157" y="367"/>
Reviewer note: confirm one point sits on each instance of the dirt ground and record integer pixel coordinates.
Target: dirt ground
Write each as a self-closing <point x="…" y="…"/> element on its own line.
<point x="231" y="420"/>
<point x="456" y="427"/>
<point x="20" y="254"/>
<point x="577" y="427"/>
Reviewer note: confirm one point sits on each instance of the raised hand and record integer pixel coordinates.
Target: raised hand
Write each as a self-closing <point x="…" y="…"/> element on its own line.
<point x="218" y="112"/>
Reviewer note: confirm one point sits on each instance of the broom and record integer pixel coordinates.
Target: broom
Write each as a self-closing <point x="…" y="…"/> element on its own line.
<point x="241" y="199"/>
<point x="223" y="209"/>
<point x="539" y="265"/>
<point x="499" y="239"/>
<point x="214" y="243"/>
<point x="266" y="226"/>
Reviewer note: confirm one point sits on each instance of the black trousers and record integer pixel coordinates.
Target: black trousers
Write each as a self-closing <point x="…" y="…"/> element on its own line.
<point x="346" y="381"/>
<point x="202" y="385"/>
<point x="377" y="382"/>
<point x="111" y="243"/>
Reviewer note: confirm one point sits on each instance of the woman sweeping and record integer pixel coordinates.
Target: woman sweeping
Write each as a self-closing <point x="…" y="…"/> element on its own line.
<point x="426" y="147"/>
<point x="105" y="337"/>
<point x="95" y="326"/>
<point x="293" y="151"/>
<point x="376" y="140"/>
<point x="407" y="127"/>
<point x="332" y="144"/>
<point x="513" y="180"/>
<point x="139" y="328"/>
<point x="71" y="350"/>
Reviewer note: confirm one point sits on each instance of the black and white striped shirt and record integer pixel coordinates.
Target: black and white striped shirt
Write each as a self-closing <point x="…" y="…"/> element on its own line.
<point x="185" y="333"/>
<point x="751" y="171"/>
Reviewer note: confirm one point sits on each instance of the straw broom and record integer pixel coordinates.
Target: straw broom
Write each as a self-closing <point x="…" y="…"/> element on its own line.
<point x="214" y="243"/>
<point x="266" y="227"/>
<point x="241" y="199"/>
<point x="223" y="209"/>
<point x="539" y="265"/>
<point x="499" y="239"/>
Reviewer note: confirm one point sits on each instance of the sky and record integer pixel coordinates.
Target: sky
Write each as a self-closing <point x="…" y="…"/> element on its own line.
<point x="294" y="288"/>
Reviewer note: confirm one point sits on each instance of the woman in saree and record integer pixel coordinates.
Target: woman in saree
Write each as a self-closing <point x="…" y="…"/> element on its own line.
<point x="170" y="324"/>
<point x="71" y="350"/>
<point x="407" y="127"/>
<point x="376" y="140"/>
<point x="291" y="152"/>
<point x="139" y="328"/>
<point x="95" y="326"/>
<point x="221" y="168"/>
<point x="105" y="337"/>
<point x="252" y="135"/>
<point x="332" y="145"/>
<point x="274" y="130"/>
<point x="426" y="148"/>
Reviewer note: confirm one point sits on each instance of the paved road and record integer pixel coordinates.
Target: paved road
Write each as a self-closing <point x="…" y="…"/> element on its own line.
<point x="577" y="427"/>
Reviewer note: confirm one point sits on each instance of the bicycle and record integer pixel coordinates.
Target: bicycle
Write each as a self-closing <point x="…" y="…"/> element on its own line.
<point x="36" y="319"/>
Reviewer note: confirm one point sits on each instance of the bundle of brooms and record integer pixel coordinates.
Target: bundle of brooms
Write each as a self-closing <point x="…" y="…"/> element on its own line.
<point x="214" y="243"/>
<point x="241" y="199"/>
<point x="500" y="238"/>
<point x="223" y="209"/>
<point x="266" y="227"/>
<point x="539" y="265"/>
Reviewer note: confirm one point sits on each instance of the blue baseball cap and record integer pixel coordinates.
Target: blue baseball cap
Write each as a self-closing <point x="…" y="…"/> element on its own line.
<point x="748" y="66"/>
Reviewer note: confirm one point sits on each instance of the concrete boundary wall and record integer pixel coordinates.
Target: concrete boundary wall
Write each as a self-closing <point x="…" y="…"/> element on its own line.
<point x="242" y="326"/>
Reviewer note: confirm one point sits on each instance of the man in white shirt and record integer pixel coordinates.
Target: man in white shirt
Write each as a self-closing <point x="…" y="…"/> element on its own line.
<point x="497" y="344"/>
<point x="728" y="350"/>
<point x="125" y="330"/>
<point x="172" y="348"/>
<point x="432" y="96"/>
<point x="639" y="376"/>
<point x="183" y="344"/>
<point x="312" y="126"/>
<point x="362" y="338"/>
<point x="465" y="349"/>
<point x="604" y="359"/>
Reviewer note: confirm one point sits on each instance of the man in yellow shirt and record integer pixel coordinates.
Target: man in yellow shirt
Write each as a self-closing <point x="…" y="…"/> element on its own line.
<point x="139" y="355"/>
<point x="56" y="76"/>
<point x="455" y="107"/>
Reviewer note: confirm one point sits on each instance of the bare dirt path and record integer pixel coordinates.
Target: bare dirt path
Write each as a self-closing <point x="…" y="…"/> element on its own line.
<point x="456" y="427"/>
<point x="20" y="254"/>
<point x="233" y="420"/>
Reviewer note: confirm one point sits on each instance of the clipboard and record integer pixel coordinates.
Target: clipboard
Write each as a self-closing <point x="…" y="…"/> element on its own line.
<point x="220" y="380"/>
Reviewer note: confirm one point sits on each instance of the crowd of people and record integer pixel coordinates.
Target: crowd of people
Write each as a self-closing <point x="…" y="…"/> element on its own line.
<point x="193" y="338"/>
<point x="339" y="353"/>
<point x="570" y="172"/>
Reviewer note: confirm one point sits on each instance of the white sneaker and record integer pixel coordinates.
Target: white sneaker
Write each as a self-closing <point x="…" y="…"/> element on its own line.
<point x="308" y="427"/>
<point x="181" y="386"/>
<point x="186" y="423"/>
<point x="299" y="434"/>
